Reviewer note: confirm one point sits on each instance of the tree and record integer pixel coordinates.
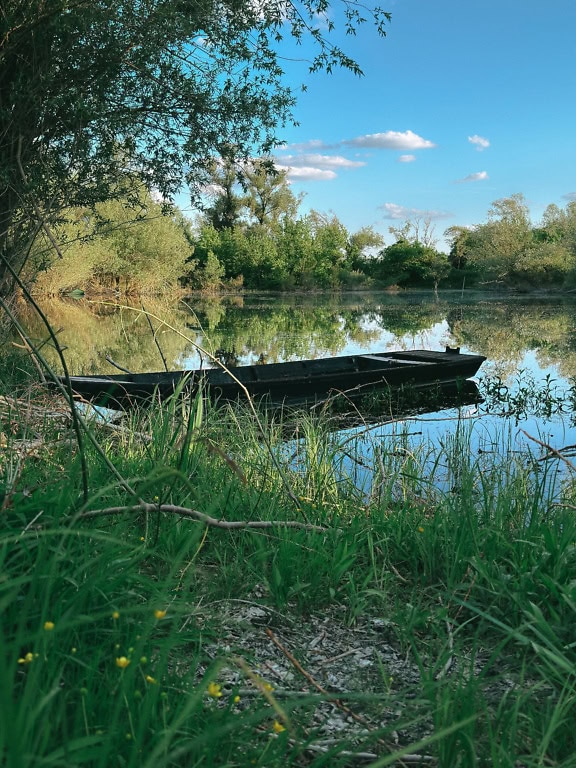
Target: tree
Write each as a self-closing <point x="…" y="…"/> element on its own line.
<point x="128" y="247"/>
<point x="512" y="211"/>
<point x="330" y="238"/>
<point x="552" y="227"/>
<point x="457" y="238"/>
<point x="359" y="243"/>
<point x="543" y="263"/>
<point x="417" y="230"/>
<point x="209" y="276"/>
<point x="91" y="89"/>
<point x="268" y="196"/>
<point x="243" y="190"/>
<point x="407" y="263"/>
<point x="224" y="210"/>
<point x="494" y="248"/>
<point x="296" y="248"/>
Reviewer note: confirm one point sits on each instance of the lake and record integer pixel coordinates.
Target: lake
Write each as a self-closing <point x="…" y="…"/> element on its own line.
<point x="530" y="343"/>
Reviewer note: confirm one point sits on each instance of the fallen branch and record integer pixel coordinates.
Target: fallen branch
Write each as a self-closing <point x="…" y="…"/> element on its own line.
<point x="194" y="514"/>
<point x="324" y="747"/>
<point x="24" y="407"/>
<point x="552" y="451"/>
<point x="558" y="450"/>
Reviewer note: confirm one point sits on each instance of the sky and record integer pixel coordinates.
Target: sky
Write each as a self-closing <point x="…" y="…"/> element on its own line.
<point x="462" y="103"/>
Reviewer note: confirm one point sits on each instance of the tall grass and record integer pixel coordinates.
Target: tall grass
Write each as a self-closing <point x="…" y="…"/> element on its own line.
<point x="111" y="608"/>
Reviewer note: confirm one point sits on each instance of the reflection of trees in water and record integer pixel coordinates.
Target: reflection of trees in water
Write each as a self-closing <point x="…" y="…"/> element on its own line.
<point x="278" y="328"/>
<point x="411" y="319"/>
<point x="284" y="332"/>
<point x="90" y="331"/>
<point x="307" y="325"/>
<point x="505" y="330"/>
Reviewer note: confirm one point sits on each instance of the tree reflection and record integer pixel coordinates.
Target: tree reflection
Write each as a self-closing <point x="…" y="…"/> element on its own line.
<point x="251" y="328"/>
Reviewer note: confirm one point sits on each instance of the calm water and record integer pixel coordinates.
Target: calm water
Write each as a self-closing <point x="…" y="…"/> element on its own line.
<point x="530" y="344"/>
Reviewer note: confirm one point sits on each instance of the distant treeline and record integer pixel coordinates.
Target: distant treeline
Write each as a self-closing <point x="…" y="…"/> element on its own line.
<point x="250" y="234"/>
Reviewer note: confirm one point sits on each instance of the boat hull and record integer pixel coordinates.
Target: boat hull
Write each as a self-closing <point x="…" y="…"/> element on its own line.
<point x="304" y="379"/>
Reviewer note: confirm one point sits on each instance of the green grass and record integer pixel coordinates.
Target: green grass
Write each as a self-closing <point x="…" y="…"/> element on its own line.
<point x="470" y="562"/>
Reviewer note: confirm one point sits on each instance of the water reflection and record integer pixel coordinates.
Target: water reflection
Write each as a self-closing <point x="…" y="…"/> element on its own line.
<point x="513" y="333"/>
<point x="493" y="446"/>
<point x="521" y="337"/>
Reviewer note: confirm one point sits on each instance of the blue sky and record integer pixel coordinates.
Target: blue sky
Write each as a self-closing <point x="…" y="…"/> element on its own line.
<point x="462" y="103"/>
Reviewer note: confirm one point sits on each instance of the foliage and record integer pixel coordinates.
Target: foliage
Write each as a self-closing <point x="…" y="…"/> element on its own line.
<point x="282" y="251"/>
<point x="405" y="263"/>
<point x="360" y="244"/>
<point x="224" y="211"/>
<point x="130" y="244"/>
<point x="268" y="197"/>
<point x="157" y="88"/>
<point x="415" y="230"/>
<point x="250" y="234"/>
<point x="509" y="250"/>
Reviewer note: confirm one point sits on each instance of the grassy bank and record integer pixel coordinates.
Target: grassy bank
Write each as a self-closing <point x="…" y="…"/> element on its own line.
<point x="426" y="618"/>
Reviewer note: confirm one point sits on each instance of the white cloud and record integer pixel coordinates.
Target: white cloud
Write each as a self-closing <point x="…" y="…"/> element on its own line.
<point x="391" y="140"/>
<point x="480" y="176"/>
<point x="401" y="213"/>
<point x="571" y="196"/>
<point x="312" y="144"/>
<point x="480" y="142"/>
<point x="306" y="173"/>
<point x="320" y="161"/>
<point x="406" y="158"/>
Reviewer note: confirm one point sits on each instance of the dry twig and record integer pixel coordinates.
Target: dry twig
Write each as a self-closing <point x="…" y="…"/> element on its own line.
<point x="194" y="514"/>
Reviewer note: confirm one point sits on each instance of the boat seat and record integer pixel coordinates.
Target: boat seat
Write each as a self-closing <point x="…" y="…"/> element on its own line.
<point x="395" y="360"/>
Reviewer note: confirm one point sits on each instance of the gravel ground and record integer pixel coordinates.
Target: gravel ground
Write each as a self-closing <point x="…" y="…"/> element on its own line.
<point x="356" y="686"/>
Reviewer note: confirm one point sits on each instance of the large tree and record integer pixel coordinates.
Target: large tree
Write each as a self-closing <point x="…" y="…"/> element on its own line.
<point x="92" y="89"/>
<point x="495" y="248"/>
<point x="268" y="195"/>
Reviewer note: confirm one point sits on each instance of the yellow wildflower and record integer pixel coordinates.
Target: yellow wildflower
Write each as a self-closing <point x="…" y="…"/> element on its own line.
<point x="115" y="615"/>
<point x="277" y="727"/>
<point x="236" y="699"/>
<point x="268" y="687"/>
<point x="150" y="679"/>
<point x="214" y="690"/>
<point x="159" y="614"/>
<point x="122" y="662"/>
<point x="27" y="659"/>
<point x="420" y="529"/>
<point x="48" y="626"/>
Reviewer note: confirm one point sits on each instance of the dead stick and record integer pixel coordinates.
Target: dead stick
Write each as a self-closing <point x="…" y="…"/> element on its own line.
<point x="553" y="451"/>
<point x="202" y="517"/>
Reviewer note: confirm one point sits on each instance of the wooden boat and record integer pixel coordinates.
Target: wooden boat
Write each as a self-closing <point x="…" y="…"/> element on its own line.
<point x="281" y="382"/>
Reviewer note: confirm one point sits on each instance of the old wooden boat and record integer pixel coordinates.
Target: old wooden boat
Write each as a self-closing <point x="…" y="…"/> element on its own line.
<point x="283" y="381"/>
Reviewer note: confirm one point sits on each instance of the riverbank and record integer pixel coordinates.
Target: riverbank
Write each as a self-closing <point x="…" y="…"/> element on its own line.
<point x="189" y="587"/>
